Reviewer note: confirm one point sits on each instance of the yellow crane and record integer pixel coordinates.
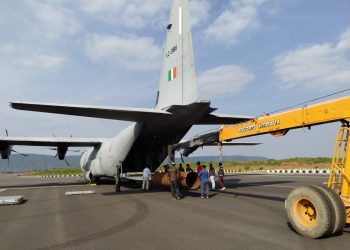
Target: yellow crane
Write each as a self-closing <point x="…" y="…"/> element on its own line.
<point x="314" y="211"/>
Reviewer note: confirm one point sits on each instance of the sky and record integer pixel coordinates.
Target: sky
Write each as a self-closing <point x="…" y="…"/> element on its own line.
<point x="252" y="56"/>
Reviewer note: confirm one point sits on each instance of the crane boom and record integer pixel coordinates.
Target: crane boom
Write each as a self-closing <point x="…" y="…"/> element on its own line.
<point x="279" y="124"/>
<point x="303" y="203"/>
<point x="325" y="112"/>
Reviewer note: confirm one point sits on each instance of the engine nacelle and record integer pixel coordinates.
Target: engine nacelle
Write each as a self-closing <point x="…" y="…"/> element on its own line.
<point x="6" y="152"/>
<point x="61" y="152"/>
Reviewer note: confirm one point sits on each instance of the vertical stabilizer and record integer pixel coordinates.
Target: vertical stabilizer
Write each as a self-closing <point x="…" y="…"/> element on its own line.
<point x="177" y="83"/>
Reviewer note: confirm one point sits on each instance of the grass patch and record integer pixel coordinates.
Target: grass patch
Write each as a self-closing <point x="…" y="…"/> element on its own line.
<point x="56" y="171"/>
<point x="319" y="162"/>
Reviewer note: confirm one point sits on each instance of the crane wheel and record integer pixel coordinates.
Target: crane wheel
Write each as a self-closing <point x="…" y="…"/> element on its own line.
<point x="338" y="208"/>
<point x="310" y="212"/>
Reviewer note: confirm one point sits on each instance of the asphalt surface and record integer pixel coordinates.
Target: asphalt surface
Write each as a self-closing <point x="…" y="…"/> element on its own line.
<point x="250" y="214"/>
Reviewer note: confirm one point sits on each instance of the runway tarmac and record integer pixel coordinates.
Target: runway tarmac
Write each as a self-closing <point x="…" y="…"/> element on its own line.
<point x="250" y="214"/>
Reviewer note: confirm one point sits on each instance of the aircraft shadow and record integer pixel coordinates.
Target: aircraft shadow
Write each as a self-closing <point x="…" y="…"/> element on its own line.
<point x="258" y="196"/>
<point x="233" y="183"/>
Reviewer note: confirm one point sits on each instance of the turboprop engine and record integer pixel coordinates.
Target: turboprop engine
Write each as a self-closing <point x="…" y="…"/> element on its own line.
<point x="6" y="152"/>
<point x="188" y="180"/>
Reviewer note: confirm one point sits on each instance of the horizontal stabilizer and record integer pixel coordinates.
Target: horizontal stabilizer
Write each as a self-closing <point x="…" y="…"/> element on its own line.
<point x="51" y="141"/>
<point x="113" y="113"/>
<point x="213" y="119"/>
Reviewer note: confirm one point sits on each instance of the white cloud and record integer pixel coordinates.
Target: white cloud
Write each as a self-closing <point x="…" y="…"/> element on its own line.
<point x="199" y="11"/>
<point x="128" y="52"/>
<point x="240" y="16"/>
<point x="41" y="61"/>
<point x="319" y="67"/>
<point x="219" y="80"/>
<point x="127" y="13"/>
<point x="25" y="56"/>
<point x="52" y="21"/>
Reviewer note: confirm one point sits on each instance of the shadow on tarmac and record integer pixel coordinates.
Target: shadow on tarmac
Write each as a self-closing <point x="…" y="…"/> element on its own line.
<point x="258" y="196"/>
<point x="135" y="188"/>
<point x="233" y="183"/>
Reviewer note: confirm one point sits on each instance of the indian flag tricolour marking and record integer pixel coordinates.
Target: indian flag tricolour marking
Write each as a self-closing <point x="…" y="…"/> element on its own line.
<point x="171" y="74"/>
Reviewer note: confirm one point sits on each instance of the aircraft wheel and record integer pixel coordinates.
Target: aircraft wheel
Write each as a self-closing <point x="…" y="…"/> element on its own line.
<point x="95" y="180"/>
<point x="338" y="207"/>
<point x="310" y="212"/>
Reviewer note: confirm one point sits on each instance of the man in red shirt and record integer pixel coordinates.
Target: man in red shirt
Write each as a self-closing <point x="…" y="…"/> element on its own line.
<point x="199" y="167"/>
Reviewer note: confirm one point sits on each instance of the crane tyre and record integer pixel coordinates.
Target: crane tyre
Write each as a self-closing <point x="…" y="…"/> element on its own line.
<point x="338" y="207"/>
<point x="310" y="212"/>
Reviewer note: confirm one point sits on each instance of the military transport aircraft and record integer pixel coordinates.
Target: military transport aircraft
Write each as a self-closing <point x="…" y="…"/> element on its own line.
<point x="146" y="140"/>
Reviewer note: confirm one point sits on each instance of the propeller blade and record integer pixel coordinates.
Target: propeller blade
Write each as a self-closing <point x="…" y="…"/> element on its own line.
<point x="8" y="163"/>
<point x="67" y="162"/>
<point x="55" y="156"/>
<point x="182" y="159"/>
<point x="7" y="133"/>
<point x="19" y="153"/>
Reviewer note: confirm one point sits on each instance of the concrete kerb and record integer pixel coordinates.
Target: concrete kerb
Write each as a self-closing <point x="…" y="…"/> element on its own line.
<point x="61" y="176"/>
<point x="283" y="171"/>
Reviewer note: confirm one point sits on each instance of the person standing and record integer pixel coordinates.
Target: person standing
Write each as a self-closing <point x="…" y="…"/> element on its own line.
<point x="204" y="178"/>
<point x="221" y="175"/>
<point x="172" y="174"/>
<point x="146" y="174"/>
<point x="188" y="168"/>
<point x="117" y="179"/>
<point x="199" y="167"/>
<point x="212" y="176"/>
<point x="181" y="168"/>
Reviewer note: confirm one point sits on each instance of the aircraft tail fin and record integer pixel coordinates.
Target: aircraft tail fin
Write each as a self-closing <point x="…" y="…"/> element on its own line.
<point x="177" y="85"/>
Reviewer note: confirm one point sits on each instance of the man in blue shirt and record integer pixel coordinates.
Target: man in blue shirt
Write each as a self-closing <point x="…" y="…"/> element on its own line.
<point x="204" y="178"/>
<point x="146" y="174"/>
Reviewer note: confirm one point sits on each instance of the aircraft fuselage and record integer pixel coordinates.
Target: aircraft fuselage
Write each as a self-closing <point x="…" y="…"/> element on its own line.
<point x="142" y="144"/>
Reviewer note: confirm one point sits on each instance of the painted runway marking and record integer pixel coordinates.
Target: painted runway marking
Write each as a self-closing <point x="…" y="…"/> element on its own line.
<point x="2" y="190"/>
<point x="24" y="188"/>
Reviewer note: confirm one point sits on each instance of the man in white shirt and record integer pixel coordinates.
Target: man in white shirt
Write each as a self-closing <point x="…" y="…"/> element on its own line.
<point x="146" y="177"/>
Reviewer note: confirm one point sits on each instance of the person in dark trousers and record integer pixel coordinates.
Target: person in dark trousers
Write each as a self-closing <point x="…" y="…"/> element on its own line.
<point x="181" y="168"/>
<point x="204" y="178"/>
<point x="117" y="180"/>
<point x="199" y="167"/>
<point x="188" y="168"/>
<point x="146" y="174"/>
<point x="166" y="168"/>
<point x="172" y="174"/>
<point x="212" y="176"/>
<point x="221" y="175"/>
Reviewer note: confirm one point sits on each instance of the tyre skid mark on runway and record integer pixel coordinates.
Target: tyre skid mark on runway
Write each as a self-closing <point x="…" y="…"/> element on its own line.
<point x="189" y="207"/>
<point x="77" y="210"/>
<point x="141" y="211"/>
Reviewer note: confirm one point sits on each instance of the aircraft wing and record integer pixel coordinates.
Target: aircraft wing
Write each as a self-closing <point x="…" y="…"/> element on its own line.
<point x="214" y="119"/>
<point x="50" y="141"/>
<point x="115" y="113"/>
